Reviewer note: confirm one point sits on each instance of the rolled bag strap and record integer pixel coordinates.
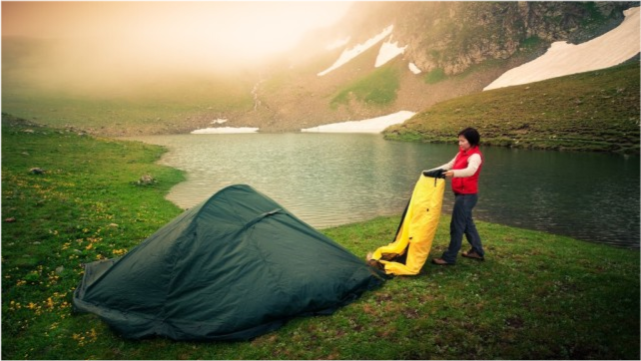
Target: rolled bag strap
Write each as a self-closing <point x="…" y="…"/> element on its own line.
<point x="436" y="174"/>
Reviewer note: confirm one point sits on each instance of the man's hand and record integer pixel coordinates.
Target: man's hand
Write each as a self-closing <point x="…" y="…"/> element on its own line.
<point x="449" y="174"/>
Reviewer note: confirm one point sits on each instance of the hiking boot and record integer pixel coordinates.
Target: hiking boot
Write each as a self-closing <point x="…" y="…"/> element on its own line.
<point x="473" y="255"/>
<point x="441" y="262"/>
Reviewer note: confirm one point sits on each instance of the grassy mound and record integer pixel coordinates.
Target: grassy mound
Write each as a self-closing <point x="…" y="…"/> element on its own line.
<point x="593" y="111"/>
<point x="536" y="296"/>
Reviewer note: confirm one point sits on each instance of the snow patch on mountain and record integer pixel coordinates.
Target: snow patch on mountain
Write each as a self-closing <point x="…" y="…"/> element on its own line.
<point x="388" y="52"/>
<point x="562" y="58"/>
<point x="414" y="69"/>
<point x="349" y="54"/>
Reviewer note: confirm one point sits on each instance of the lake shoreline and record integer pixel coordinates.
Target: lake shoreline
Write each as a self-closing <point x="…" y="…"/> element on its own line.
<point x="391" y="133"/>
<point x="375" y="186"/>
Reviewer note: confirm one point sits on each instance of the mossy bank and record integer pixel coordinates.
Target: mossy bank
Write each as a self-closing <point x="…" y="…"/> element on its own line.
<point x="536" y="296"/>
<point x="593" y="111"/>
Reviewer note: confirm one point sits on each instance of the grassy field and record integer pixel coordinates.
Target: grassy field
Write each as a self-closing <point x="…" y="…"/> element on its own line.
<point x="593" y="111"/>
<point x="536" y="296"/>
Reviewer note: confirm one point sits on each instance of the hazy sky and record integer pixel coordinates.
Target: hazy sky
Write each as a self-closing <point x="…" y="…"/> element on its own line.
<point x="202" y="28"/>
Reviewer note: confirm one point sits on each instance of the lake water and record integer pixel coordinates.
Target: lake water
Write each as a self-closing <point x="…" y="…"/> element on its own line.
<point x="334" y="179"/>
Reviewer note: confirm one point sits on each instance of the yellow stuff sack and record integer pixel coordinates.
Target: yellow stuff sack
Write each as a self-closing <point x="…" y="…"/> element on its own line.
<point x="416" y="232"/>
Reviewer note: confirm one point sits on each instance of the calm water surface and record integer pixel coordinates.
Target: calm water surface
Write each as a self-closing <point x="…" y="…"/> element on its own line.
<point x="333" y="179"/>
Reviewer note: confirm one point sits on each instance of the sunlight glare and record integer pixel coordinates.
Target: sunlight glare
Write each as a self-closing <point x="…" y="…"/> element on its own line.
<point x="241" y="30"/>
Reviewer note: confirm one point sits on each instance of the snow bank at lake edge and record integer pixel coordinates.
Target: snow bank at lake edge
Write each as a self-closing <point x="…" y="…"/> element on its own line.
<point x="225" y="130"/>
<point x="373" y="126"/>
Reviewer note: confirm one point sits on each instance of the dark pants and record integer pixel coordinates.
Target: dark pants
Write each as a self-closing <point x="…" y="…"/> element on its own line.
<point x="462" y="223"/>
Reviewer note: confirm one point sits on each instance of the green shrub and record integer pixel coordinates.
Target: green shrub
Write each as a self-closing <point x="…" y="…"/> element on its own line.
<point x="377" y="88"/>
<point x="435" y="76"/>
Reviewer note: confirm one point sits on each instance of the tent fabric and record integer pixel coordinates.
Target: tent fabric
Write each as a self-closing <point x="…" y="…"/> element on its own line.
<point x="413" y="241"/>
<point x="234" y="267"/>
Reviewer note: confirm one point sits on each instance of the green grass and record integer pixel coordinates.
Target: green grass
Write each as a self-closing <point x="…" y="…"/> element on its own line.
<point x="376" y="88"/>
<point x="592" y="111"/>
<point x="435" y="76"/>
<point x="595" y="15"/>
<point x="536" y="296"/>
<point x="532" y="42"/>
<point x="78" y="211"/>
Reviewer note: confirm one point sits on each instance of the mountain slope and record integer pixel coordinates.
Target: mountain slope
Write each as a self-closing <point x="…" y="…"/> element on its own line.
<point x="461" y="47"/>
<point x="597" y="111"/>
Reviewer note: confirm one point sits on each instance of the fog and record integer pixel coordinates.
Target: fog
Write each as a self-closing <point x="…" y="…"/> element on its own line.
<point x="89" y="44"/>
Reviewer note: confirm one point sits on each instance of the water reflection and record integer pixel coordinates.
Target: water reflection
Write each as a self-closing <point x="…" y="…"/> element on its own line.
<point x="332" y="179"/>
<point x="589" y="196"/>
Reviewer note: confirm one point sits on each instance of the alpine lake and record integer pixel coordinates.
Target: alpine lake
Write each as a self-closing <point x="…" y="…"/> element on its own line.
<point x="333" y="179"/>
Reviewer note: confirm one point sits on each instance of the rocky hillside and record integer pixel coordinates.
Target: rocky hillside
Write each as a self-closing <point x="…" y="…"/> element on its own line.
<point x="454" y="36"/>
<point x="459" y="47"/>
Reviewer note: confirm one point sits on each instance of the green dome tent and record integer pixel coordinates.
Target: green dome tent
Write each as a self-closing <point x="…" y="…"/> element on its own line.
<point x="234" y="267"/>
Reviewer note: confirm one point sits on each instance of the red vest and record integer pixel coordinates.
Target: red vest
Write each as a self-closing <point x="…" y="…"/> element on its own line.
<point x="467" y="185"/>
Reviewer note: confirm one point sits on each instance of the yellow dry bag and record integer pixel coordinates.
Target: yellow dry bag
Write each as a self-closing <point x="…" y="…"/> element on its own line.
<point x="409" y="251"/>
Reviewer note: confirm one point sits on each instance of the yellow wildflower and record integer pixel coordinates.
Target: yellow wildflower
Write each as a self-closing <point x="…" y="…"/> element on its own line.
<point x="119" y="252"/>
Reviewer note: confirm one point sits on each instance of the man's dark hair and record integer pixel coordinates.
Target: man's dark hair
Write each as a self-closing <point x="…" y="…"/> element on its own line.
<point x="472" y="135"/>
